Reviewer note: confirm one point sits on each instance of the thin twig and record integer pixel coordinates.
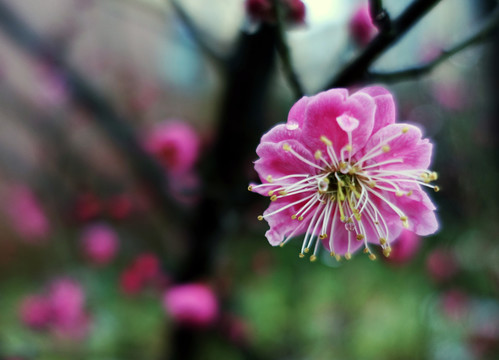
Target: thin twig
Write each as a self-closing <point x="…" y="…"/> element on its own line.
<point x="414" y="72"/>
<point x="379" y="15"/>
<point x="197" y="36"/>
<point x="356" y="71"/>
<point x="284" y="52"/>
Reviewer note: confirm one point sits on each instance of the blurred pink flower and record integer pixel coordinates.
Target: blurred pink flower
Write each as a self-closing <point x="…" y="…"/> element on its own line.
<point x="52" y="86"/>
<point x="455" y="304"/>
<point x="36" y="312"/>
<point x="100" y="243"/>
<point x="120" y="206"/>
<point x="26" y="214"/>
<point x="441" y="265"/>
<point x="175" y="144"/>
<point x="144" y="271"/>
<point x="405" y="247"/>
<point x="131" y="282"/>
<point x="343" y="173"/>
<point x="87" y="206"/>
<point x="67" y="300"/>
<point x="451" y="95"/>
<point x="191" y="305"/>
<point x="263" y="10"/>
<point x="361" y="26"/>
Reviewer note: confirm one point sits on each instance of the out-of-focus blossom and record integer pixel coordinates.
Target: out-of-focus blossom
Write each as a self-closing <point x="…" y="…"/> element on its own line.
<point x="263" y="10"/>
<point x="441" y="265"/>
<point x="100" y="243"/>
<point x="87" y="206"/>
<point x="26" y="214"/>
<point x="52" y="87"/>
<point x="36" y="312"/>
<point x="451" y="94"/>
<point x="343" y="173"/>
<point x="175" y="144"/>
<point x="191" y="305"/>
<point x="120" y="206"/>
<point x="361" y="26"/>
<point x="70" y="318"/>
<point x="405" y="247"/>
<point x="144" y="271"/>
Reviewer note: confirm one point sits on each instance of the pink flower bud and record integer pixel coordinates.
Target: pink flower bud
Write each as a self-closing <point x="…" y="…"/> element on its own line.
<point x="100" y="243"/>
<point x="361" y="26"/>
<point x="35" y="312"/>
<point x="191" y="305"/>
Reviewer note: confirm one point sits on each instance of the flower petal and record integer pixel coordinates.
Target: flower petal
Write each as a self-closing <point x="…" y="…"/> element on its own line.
<point x="385" y="106"/>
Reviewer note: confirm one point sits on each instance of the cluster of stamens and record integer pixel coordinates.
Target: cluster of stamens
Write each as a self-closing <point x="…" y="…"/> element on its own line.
<point x="343" y="190"/>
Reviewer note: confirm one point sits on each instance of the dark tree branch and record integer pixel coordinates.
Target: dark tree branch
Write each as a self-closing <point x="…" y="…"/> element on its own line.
<point x="356" y="71"/>
<point x="284" y="52"/>
<point x="85" y="95"/>
<point x="379" y="15"/>
<point x="479" y="36"/>
<point x="197" y="36"/>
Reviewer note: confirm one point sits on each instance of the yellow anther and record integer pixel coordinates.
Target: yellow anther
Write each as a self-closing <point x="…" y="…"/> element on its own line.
<point x="405" y="129"/>
<point x="271" y="192"/>
<point x="348" y="256"/>
<point x="403" y="218"/>
<point x="409" y="193"/>
<point x="293" y="216"/>
<point x="372" y="257"/>
<point x="399" y="193"/>
<point x="366" y="251"/>
<point x="326" y="141"/>
<point x="323" y="236"/>
<point x="433" y="176"/>
<point x="371" y="184"/>
<point x="385" y="148"/>
<point x="360" y="237"/>
<point x="436" y="188"/>
<point x="332" y="253"/>
<point x="387" y="251"/>
<point x="343" y="165"/>
<point x="338" y="257"/>
<point x="348" y="147"/>
<point x="281" y="244"/>
<point x="260" y="217"/>
<point x="282" y="193"/>
<point x="273" y="198"/>
<point x="300" y="218"/>
<point x="286" y="147"/>
<point x="313" y="258"/>
<point x="269" y="178"/>
<point x="301" y="255"/>
<point x="405" y="224"/>
<point x="358" y="216"/>
<point x="250" y="188"/>
<point x="306" y="250"/>
<point x="382" y="241"/>
<point x="318" y="154"/>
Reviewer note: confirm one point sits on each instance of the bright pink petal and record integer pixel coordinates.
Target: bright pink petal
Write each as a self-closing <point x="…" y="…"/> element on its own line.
<point x="297" y="113"/>
<point x="385" y="106"/>
<point x="412" y="151"/>
<point x="282" y="132"/>
<point x="281" y="224"/>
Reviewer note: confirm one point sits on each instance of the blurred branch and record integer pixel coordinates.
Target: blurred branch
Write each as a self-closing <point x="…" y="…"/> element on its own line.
<point x="198" y="36"/>
<point x="379" y="15"/>
<point x="284" y="52"/>
<point x="85" y="95"/>
<point x="356" y="70"/>
<point x="479" y="36"/>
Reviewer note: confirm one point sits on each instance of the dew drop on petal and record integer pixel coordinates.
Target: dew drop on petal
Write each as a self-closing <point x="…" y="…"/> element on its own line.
<point x="292" y="125"/>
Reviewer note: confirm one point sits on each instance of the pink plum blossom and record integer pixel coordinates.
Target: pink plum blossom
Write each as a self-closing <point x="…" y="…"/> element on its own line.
<point x="35" y="312"/>
<point x="361" y="26"/>
<point x="191" y="304"/>
<point x="100" y="243"/>
<point x="342" y="172"/>
<point x="175" y="144"/>
<point x="26" y="214"/>
<point x="405" y="247"/>
<point x="67" y="299"/>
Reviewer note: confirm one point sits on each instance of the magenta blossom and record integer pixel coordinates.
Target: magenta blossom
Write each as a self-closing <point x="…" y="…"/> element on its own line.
<point x="175" y="144"/>
<point x="100" y="243"/>
<point x="35" y="312"/>
<point x="361" y="26"/>
<point x="343" y="173"/>
<point x="405" y="247"/>
<point x="26" y="214"/>
<point x="192" y="305"/>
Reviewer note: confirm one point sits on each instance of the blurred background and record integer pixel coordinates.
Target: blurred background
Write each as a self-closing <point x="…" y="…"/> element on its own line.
<point x="128" y="129"/>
